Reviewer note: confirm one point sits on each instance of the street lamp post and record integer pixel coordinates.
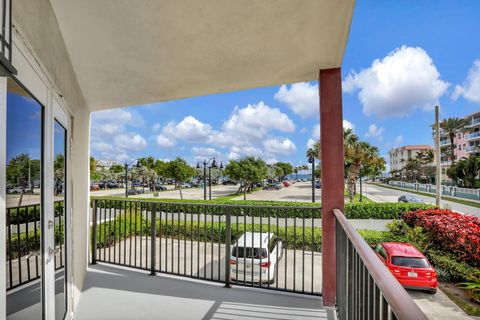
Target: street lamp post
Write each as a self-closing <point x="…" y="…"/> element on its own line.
<point x="361" y="196"/>
<point x="311" y="160"/>
<point x="213" y="165"/>
<point x="126" y="174"/>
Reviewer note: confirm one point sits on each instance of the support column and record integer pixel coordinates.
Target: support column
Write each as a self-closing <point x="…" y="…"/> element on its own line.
<point x="332" y="161"/>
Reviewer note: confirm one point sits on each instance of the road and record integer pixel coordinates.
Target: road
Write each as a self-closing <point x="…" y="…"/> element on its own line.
<point x="299" y="191"/>
<point x="382" y="194"/>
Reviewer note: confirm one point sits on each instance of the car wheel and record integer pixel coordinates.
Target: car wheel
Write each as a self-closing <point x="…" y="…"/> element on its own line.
<point x="432" y="291"/>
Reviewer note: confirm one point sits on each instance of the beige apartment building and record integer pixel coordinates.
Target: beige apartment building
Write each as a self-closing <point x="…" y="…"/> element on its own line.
<point x="400" y="155"/>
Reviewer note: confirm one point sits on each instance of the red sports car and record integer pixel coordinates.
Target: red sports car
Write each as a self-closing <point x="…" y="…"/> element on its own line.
<point x="286" y="183"/>
<point x="408" y="265"/>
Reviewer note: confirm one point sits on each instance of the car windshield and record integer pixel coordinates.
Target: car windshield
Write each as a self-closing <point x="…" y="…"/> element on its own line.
<point x="247" y="252"/>
<point x="410" y="262"/>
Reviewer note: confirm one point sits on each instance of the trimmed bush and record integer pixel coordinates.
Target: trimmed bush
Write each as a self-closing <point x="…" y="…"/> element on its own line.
<point x="255" y="208"/>
<point x="458" y="270"/>
<point x="451" y="231"/>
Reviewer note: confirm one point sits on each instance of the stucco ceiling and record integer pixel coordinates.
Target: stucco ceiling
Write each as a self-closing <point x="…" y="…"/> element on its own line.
<point x="130" y="52"/>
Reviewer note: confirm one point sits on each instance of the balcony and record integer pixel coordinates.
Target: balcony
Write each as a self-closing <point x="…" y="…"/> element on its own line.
<point x="473" y="136"/>
<point x="473" y="149"/>
<point x="444" y="143"/>
<point x="473" y="123"/>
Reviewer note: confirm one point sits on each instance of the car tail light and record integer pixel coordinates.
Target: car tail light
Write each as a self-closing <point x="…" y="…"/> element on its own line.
<point x="265" y="264"/>
<point x="394" y="271"/>
<point x="232" y="261"/>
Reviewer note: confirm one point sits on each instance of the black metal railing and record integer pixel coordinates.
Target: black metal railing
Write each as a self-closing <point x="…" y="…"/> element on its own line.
<point x="200" y="241"/>
<point x="23" y="243"/>
<point x="365" y="287"/>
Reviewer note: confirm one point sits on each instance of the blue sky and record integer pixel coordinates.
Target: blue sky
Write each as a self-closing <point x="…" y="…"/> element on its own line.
<point x="402" y="58"/>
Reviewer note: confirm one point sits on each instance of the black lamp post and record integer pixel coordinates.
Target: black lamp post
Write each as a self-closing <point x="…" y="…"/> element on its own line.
<point x="361" y="196"/>
<point x="126" y="174"/>
<point x="311" y="160"/>
<point x="213" y="165"/>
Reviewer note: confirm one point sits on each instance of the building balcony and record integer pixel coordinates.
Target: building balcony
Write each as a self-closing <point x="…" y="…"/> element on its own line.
<point x="444" y="143"/>
<point x="473" y="136"/>
<point x="472" y="149"/>
<point x="473" y="123"/>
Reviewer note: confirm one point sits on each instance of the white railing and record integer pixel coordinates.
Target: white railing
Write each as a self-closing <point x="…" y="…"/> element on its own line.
<point x="473" y="122"/>
<point x="473" y="135"/>
<point x="452" y="191"/>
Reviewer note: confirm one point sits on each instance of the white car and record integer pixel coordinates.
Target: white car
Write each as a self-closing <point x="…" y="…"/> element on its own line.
<point x="254" y="257"/>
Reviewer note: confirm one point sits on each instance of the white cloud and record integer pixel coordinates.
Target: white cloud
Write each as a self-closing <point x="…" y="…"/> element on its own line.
<point x="348" y="125"/>
<point x="404" y="80"/>
<point x="471" y="86"/>
<point x="256" y="120"/>
<point x="316" y="132"/>
<point x="133" y="142"/>
<point x="165" y="142"/>
<point x="111" y="135"/>
<point x="189" y="129"/>
<point x="280" y="146"/>
<point x="375" y="132"/>
<point x="301" y="98"/>
<point x="310" y="143"/>
<point x="205" y="152"/>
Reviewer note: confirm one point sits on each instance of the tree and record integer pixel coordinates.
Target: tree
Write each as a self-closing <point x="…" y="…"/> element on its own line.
<point x="59" y="173"/>
<point x="248" y="171"/>
<point x="93" y="164"/>
<point x="286" y="167"/>
<point x="179" y="170"/>
<point x="161" y="169"/>
<point x="450" y="126"/>
<point x="467" y="169"/>
<point x="148" y="166"/>
<point x="117" y="168"/>
<point x="18" y="173"/>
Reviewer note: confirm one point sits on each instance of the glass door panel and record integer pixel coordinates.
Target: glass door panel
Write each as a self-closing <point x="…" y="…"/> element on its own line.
<point x="25" y="121"/>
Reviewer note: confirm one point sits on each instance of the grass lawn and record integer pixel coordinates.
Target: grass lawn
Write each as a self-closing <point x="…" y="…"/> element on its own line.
<point x="461" y="201"/>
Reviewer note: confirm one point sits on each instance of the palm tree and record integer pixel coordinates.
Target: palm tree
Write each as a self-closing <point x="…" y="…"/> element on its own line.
<point x="450" y="126"/>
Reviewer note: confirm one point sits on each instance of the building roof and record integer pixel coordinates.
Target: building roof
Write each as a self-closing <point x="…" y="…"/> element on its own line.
<point x="138" y="52"/>
<point x="412" y="147"/>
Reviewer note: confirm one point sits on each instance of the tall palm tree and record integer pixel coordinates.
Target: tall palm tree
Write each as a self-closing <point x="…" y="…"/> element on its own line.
<point x="450" y="126"/>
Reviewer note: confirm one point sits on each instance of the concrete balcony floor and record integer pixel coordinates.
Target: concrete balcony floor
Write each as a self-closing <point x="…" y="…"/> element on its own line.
<point x="112" y="292"/>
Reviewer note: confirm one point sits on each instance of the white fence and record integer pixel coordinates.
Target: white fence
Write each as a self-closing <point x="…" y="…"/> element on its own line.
<point x="451" y="191"/>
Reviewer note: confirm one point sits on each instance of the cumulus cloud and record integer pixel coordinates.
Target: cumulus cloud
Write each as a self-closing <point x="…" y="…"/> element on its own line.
<point x="204" y="152"/>
<point x="375" y="132"/>
<point x="134" y="142"/>
<point x="256" y="120"/>
<point x="470" y="89"/>
<point x="280" y="146"/>
<point x="189" y="129"/>
<point x="348" y="125"/>
<point x="113" y="134"/>
<point x="301" y="98"/>
<point x="164" y="141"/>
<point x="310" y="143"/>
<point x="405" y="80"/>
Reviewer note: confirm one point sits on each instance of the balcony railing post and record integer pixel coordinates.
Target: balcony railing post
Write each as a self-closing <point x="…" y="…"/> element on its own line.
<point x="94" y="232"/>
<point x="153" y="238"/>
<point x="228" y="236"/>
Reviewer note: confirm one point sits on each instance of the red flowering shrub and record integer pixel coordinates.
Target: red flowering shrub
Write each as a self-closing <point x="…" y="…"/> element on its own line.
<point x="452" y="231"/>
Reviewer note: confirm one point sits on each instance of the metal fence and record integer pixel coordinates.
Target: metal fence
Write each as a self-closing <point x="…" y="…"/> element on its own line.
<point x="365" y="287"/>
<point x="23" y="243"/>
<point x="205" y="241"/>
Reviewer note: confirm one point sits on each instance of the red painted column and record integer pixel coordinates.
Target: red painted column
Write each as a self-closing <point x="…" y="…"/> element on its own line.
<point x="331" y="138"/>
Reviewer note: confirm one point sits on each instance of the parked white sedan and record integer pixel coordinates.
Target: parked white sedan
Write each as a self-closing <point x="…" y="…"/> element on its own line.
<point x="254" y="257"/>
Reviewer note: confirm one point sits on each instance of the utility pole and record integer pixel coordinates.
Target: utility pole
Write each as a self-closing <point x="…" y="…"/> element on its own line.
<point x="438" y="179"/>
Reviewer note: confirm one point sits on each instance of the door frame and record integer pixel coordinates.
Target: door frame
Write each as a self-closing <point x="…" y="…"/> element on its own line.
<point x="32" y="78"/>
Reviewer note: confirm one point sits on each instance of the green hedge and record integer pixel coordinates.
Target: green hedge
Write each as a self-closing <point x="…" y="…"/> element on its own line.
<point x="458" y="270"/>
<point x="124" y="227"/>
<point x="24" y="214"/>
<point x="261" y="208"/>
<point x="20" y="246"/>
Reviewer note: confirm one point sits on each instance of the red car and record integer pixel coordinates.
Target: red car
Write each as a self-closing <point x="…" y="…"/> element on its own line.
<point x="408" y="265"/>
<point x="286" y="183"/>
